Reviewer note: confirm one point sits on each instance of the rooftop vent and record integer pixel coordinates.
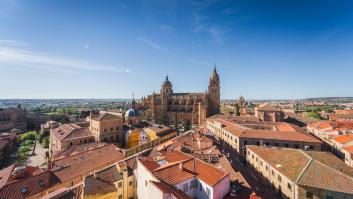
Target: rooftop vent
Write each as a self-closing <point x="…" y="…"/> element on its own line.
<point x="41" y="183"/>
<point x="24" y="190"/>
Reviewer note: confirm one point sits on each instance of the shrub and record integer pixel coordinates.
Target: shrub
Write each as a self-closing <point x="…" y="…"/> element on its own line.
<point x="29" y="136"/>
<point x="27" y="143"/>
<point x="45" y="142"/>
<point x="23" y="150"/>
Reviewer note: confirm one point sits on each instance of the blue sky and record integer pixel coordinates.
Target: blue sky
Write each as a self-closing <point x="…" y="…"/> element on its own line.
<point x="111" y="49"/>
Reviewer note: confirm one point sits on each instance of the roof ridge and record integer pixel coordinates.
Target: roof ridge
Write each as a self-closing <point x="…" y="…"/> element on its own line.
<point x="83" y="152"/>
<point x="342" y="173"/>
<point x="306" y="166"/>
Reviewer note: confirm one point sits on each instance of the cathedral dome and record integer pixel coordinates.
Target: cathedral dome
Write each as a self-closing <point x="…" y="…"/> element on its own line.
<point x="166" y="82"/>
<point x="132" y="113"/>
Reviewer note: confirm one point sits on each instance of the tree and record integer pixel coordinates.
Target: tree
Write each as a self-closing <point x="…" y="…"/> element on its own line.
<point x="186" y="125"/>
<point x="315" y="115"/>
<point x="45" y="142"/>
<point x="31" y="135"/>
<point x="236" y="109"/>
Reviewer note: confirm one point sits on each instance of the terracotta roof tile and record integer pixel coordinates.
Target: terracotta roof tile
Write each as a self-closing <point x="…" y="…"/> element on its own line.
<point x="30" y="186"/>
<point x="168" y="189"/>
<point x="315" y="169"/>
<point x="85" y="162"/>
<point x="342" y="139"/>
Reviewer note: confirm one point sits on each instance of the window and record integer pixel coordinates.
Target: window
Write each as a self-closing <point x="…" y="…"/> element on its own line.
<point x="309" y="195"/>
<point x="289" y="186"/>
<point x="130" y="183"/>
<point x="208" y="191"/>
<point x="23" y="190"/>
<point x="258" y="143"/>
<point x="120" y="196"/>
<point x="185" y="187"/>
<point x="41" y="183"/>
<point x="120" y="184"/>
<point x="266" y="167"/>
<point x="248" y="152"/>
<point x="252" y="156"/>
<point x="117" y="128"/>
<point x="273" y="173"/>
<point x="276" y="144"/>
<point x="286" y="145"/>
<point x="256" y="159"/>
<point x="245" y="142"/>
<point x="105" y="130"/>
<point x="111" y="129"/>
<point x="261" y="163"/>
<point x="296" y="146"/>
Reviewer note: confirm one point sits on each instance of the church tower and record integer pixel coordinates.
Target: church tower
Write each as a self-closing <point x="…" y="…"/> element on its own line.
<point x="214" y="93"/>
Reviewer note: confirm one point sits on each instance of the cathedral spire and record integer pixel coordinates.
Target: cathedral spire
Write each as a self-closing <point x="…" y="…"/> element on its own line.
<point x="214" y="68"/>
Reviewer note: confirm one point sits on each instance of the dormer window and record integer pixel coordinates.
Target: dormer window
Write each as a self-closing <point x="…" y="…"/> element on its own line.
<point x="41" y="183"/>
<point x="24" y="190"/>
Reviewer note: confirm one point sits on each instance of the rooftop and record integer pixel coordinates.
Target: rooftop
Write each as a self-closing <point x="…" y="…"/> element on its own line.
<point x="106" y="116"/>
<point x="85" y="162"/>
<point x="177" y="166"/>
<point x="265" y="130"/>
<point x="70" y="131"/>
<point x="314" y="169"/>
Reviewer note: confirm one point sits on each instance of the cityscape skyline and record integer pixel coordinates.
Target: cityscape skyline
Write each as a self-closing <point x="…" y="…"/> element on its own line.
<point x="94" y="51"/>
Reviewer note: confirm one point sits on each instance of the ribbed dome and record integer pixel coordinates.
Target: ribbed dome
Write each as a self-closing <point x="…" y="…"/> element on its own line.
<point x="132" y="113"/>
<point x="166" y="82"/>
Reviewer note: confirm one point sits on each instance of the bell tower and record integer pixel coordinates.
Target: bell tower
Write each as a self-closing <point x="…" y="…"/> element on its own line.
<point x="214" y="93"/>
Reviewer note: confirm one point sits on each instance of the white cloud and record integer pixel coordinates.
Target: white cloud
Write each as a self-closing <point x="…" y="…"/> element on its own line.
<point x="12" y="55"/>
<point x="86" y="46"/>
<point x="12" y="43"/>
<point x="152" y="44"/>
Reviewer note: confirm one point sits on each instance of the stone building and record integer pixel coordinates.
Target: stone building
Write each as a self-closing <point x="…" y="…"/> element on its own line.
<point x="296" y="173"/>
<point x="267" y="112"/>
<point x="103" y="128"/>
<point x="13" y="117"/>
<point x="236" y="134"/>
<point x="168" y="107"/>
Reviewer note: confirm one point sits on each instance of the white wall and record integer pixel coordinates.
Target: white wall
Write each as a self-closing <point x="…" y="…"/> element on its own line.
<point x="221" y="188"/>
<point x="143" y="180"/>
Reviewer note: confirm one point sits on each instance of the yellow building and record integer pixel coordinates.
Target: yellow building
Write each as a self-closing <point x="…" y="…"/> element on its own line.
<point x="115" y="182"/>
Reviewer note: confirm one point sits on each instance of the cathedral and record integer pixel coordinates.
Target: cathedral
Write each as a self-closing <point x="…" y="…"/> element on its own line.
<point x="170" y="107"/>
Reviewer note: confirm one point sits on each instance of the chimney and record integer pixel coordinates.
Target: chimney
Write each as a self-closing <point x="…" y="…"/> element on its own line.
<point x="50" y="163"/>
<point x="181" y="165"/>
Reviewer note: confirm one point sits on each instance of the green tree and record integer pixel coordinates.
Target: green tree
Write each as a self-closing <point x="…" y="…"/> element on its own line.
<point x="187" y="125"/>
<point x="315" y="115"/>
<point x="45" y="142"/>
<point x="31" y="135"/>
<point x="237" y="109"/>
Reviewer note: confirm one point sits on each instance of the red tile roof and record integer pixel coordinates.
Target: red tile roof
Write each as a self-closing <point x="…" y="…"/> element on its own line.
<point x="168" y="189"/>
<point x="178" y="167"/>
<point x="342" y="139"/>
<point x="293" y="133"/>
<point x="70" y="131"/>
<point x="31" y="186"/>
<point x="314" y="169"/>
<point x="85" y="162"/>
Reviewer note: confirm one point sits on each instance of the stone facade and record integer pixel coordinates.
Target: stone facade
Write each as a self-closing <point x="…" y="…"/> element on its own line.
<point x="168" y="107"/>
